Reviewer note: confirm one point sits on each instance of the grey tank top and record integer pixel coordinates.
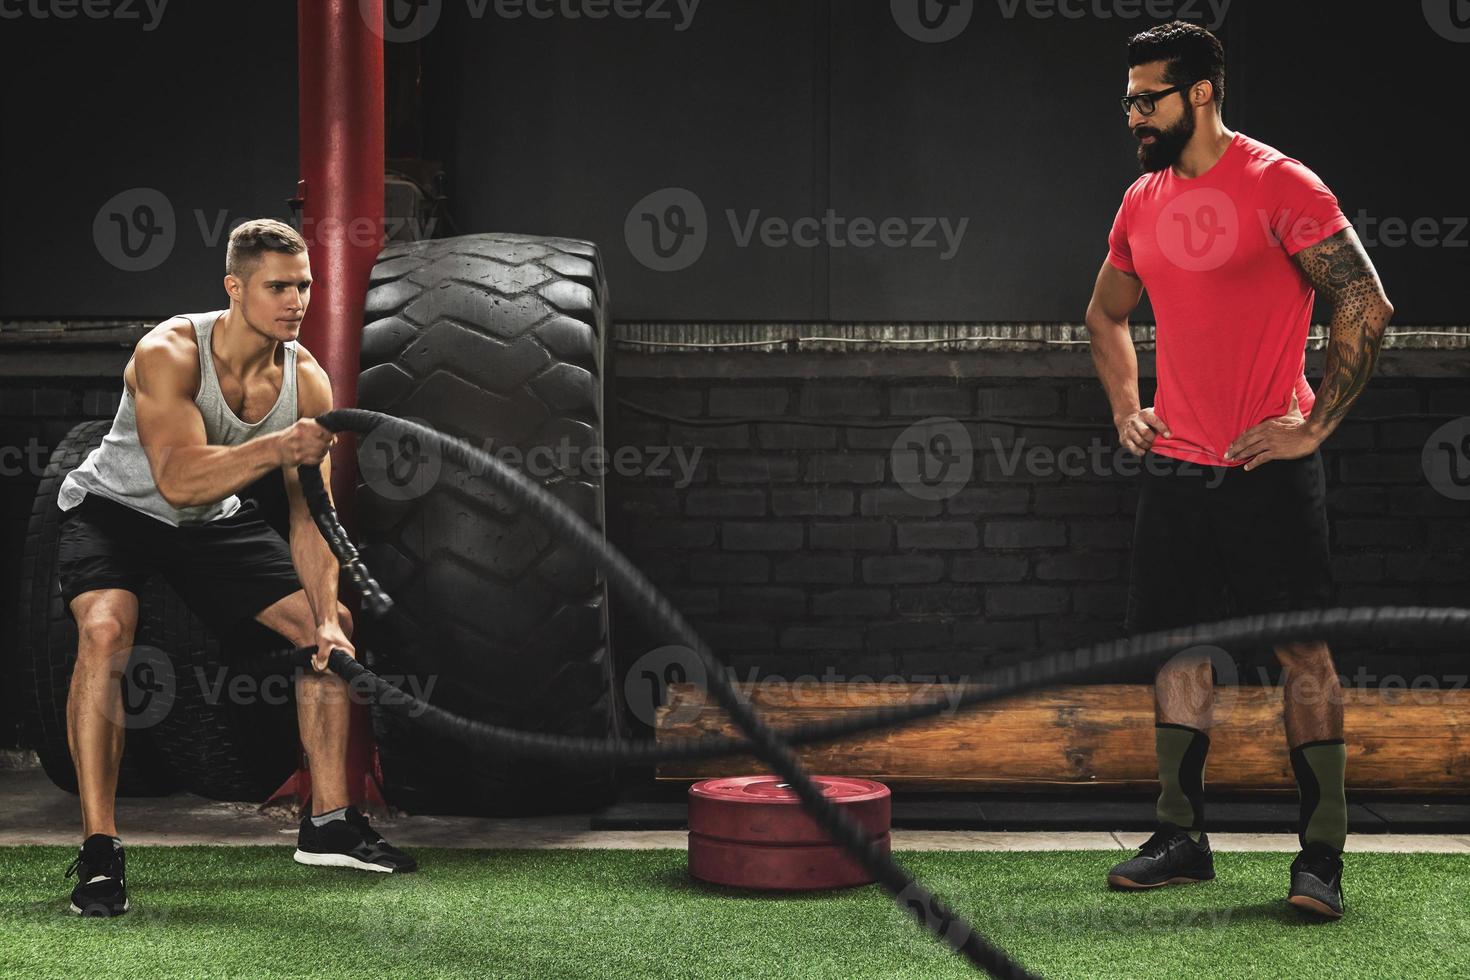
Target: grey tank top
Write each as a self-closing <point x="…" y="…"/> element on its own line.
<point x="118" y="469"/>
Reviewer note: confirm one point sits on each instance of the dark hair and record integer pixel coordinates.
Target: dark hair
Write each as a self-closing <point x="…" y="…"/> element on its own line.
<point x="253" y="239"/>
<point x="1190" y="52"/>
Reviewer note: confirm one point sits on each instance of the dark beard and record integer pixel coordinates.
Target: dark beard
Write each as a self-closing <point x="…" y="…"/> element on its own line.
<point x="1168" y="145"/>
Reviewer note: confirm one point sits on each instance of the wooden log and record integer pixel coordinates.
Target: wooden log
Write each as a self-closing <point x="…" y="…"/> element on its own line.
<point x="1087" y="737"/>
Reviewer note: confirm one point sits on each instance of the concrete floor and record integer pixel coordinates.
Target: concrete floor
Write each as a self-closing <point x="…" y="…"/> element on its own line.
<point x="33" y="811"/>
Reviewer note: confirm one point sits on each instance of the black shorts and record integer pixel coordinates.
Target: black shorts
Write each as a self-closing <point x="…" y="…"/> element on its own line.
<point x="1211" y="542"/>
<point x="226" y="571"/>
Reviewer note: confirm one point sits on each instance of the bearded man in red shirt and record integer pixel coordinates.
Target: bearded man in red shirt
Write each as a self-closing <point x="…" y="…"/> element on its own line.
<point x="1233" y="241"/>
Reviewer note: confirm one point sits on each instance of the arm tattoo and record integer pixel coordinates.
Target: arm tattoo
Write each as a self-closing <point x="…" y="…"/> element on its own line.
<point x="1341" y="271"/>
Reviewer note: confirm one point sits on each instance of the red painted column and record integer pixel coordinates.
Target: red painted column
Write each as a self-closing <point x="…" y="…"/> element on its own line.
<point x="341" y="130"/>
<point x="342" y="151"/>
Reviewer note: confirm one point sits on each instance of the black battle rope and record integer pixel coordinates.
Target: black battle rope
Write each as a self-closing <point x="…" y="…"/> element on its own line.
<point x="1426" y="625"/>
<point x="766" y="744"/>
<point x="910" y="895"/>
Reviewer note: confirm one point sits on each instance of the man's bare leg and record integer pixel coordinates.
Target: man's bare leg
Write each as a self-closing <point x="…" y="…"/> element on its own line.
<point x="106" y="621"/>
<point x="325" y="714"/>
<point x="1312" y="697"/>
<point x="1184" y="703"/>
<point x="1311" y="693"/>
<point x="323" y="710"/>
<point x="1184" y="692"/>
<point x="1312" y="705"/>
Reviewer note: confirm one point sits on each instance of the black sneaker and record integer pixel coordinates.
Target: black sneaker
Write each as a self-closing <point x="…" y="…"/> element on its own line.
<point x="102" y="886"/>
<point x="1316" y="881"/>
<point x="1169" y="857"/>
<point x="349" y="843"/>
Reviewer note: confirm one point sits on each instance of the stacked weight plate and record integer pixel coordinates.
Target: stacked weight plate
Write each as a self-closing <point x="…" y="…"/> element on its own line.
<point x="752" y="832"/>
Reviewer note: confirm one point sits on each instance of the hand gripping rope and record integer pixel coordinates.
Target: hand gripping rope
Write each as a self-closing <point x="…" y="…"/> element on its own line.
<point x="773" y="746"/>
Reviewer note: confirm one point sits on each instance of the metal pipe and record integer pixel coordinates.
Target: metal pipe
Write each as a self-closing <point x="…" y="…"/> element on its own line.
<point x="341" y="127"/>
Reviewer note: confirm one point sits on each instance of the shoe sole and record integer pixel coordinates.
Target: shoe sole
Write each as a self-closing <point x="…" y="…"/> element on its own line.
<point x="110" y="912"/>
<point x="338" y="861"/>
<point x="1128" y="884"/>
<point x="1307" y="904"/>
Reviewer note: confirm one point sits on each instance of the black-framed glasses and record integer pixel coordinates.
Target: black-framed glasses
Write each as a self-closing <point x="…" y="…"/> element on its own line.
<point x="1147" y="102"/>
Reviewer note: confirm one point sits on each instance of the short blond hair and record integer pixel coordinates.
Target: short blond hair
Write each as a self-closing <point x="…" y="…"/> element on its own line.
<point x="253" y="239"/>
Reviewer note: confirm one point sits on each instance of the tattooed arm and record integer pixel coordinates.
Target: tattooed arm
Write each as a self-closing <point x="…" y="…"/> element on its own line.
<point x="1339" y="269"/>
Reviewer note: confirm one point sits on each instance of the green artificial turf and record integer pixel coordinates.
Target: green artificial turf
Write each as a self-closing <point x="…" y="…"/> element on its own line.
<point x="252" y="912"/>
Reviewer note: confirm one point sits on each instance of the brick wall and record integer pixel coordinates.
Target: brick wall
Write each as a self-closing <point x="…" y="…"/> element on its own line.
<point x="796" y="549"/>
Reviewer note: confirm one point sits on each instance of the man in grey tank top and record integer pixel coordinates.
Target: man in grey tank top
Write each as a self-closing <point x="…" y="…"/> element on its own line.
<point x="212" y="403"/>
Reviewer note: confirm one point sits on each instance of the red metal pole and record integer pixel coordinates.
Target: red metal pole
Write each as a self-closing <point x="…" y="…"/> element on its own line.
<point x="342" y="152"/>
<point x="341" y="127"/>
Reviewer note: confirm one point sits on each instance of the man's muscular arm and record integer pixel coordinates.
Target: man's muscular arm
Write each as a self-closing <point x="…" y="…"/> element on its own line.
<point x="188" y="471"/>
<point x="1114" y="298"/>
<point x="316" y="566"/>
<point x="1337" y="268"/>
<point x="1341" y="271"/>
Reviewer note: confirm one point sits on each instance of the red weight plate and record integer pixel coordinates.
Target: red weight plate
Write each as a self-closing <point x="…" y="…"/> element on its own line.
<point x="763" y="810"/>
<point x="787" y="868"/>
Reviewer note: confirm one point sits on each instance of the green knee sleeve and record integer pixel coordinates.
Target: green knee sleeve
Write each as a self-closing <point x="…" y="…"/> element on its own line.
<point x="1182" y="752"/>
<point x="1321" y="779"/>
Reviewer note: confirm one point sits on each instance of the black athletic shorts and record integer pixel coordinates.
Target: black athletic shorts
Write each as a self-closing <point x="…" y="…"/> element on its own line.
<point x="1211" y="542"/>
<point x="226" y="571"/>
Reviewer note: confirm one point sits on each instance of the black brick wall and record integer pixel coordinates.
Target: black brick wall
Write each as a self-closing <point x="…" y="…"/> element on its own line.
<point x="796" y="551"/>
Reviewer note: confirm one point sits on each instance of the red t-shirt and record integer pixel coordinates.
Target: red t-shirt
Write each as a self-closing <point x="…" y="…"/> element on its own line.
<point x="1233" y="309"/>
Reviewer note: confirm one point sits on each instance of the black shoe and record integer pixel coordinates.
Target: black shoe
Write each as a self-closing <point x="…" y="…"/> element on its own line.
<point x="1316" y="881"/>
<point x="349" y="843"/>
<point x="102" y="886"/>
<point x="1169" y="857"/>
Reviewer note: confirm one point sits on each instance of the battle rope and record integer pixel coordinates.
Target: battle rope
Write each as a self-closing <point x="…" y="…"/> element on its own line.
<point x="768" y="744"/>
<point x="910" y="895"/>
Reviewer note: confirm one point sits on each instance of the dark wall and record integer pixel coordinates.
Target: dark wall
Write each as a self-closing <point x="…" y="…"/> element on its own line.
<point x="767" y="108"/>
<point x="567" y="125"/>
<point x="801" y="549"/>
<point x="1350" y="90"/>
<point x="179" y="132"/>
<point x="790" y="109"/>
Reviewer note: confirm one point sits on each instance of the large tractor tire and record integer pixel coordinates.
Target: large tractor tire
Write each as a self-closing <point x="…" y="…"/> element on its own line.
<point x="48" y="643"/>
<point x="498" y="340"/>
<point x="214" y="735"/>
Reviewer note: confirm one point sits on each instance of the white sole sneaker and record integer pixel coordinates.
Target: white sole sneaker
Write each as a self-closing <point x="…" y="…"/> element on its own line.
<point x="337" y="861"/>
